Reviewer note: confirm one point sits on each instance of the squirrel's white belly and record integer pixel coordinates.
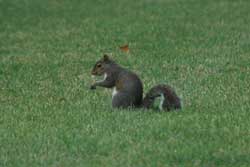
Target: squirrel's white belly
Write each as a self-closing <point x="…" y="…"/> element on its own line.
<point x="114" y="92"/>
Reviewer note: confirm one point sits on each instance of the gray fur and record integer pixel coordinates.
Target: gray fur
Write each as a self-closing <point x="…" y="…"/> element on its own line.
<point x="128" y="85"/>
<point x="170" y="101"/>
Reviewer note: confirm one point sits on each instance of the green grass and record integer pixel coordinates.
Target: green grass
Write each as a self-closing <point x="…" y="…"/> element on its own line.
<point x="49" y="117"/>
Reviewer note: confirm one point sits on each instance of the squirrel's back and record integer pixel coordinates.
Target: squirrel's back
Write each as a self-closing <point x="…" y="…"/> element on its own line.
<point x="129" y="85"/>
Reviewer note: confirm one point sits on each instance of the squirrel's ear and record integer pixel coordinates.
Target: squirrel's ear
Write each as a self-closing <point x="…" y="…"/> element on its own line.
<point x="105" y="57"/>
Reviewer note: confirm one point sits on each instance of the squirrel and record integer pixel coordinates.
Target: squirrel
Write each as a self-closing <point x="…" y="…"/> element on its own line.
<point x="128" y="88"/>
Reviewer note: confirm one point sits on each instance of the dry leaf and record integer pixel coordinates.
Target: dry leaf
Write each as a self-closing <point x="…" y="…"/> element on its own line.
<point x="124" y="48"/>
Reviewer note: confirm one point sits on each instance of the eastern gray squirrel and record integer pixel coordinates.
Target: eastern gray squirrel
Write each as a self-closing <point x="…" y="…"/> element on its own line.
<point x="128" y="89"/>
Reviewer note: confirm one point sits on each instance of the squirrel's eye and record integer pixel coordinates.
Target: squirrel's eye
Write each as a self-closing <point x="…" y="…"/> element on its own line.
<point x="99" y="65"/>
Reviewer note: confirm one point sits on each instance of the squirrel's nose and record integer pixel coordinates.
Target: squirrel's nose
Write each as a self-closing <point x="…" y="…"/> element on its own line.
<point x="93" y="73"/>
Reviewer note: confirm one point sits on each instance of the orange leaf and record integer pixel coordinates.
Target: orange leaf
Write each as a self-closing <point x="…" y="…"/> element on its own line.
<point x="124" y="48"/>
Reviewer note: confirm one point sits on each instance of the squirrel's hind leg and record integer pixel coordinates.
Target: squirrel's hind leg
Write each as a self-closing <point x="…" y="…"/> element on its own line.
<point x="121" y="100"/>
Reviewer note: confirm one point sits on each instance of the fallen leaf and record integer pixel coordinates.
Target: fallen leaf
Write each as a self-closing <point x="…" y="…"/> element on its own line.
<point x="124" y="48"/>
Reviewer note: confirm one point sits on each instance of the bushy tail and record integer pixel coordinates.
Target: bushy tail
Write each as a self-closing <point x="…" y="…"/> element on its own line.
<point x="168" y="98"/>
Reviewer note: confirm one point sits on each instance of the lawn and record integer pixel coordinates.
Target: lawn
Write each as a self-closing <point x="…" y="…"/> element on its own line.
<point x="49" y="117"/>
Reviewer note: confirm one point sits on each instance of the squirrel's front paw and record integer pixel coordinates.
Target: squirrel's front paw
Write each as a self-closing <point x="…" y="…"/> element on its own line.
<point x="92" y="87"/>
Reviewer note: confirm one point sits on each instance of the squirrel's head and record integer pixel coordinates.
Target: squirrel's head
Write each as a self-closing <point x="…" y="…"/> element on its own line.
<point x="102" y="66"/>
